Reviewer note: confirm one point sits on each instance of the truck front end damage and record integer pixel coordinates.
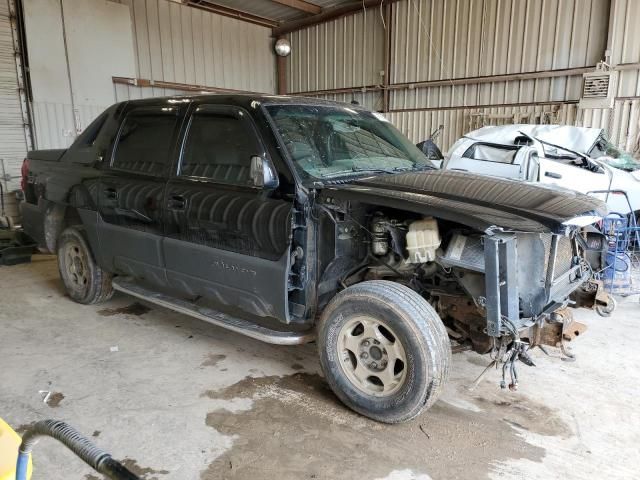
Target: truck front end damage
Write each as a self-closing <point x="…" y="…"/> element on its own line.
<point x="519" y="288"/>
<point x="502" y="263"/>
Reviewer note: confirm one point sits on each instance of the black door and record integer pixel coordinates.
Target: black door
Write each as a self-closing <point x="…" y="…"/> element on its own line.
<point x="130" y="196"/>
<point x="227" y="240"/>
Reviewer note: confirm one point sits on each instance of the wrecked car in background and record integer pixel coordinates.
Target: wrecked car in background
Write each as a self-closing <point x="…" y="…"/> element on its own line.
<point x="292" y="219"/>
<point x="577" y="158"/>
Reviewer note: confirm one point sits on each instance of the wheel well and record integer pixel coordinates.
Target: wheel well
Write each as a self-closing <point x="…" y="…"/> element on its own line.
<point x="71" y="217"/>
<point x="57" y="218"/>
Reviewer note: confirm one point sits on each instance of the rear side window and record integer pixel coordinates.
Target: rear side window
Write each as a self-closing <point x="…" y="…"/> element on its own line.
<point x="219" y="146"/>
<point x="146" y="141"/>
<point x="490" y="153"/>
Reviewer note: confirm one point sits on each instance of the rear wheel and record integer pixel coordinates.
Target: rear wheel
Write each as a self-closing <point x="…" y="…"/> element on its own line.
<point x="83" y="279"/>
<point x="384" y="350"/>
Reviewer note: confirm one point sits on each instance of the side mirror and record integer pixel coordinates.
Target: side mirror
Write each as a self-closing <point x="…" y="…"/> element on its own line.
<point x="263" y="174"/>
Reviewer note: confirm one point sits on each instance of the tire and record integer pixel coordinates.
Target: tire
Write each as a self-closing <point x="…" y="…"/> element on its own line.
<point x="83" y="279"/>
<point x="370" y="381"/>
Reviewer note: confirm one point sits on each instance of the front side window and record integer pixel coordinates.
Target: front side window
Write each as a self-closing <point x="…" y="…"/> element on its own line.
<point x="219" y="146"/>
<point x="146" y="141"/>
<point x="329" y="141"/>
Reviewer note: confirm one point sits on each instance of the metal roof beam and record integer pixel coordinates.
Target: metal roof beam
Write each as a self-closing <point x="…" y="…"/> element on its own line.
<point x="328" y="14"/>
<point x="301" y="5"/>
<point x="230" y="12"/>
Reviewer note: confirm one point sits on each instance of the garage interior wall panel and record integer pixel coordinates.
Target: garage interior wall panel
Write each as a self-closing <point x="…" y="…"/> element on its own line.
<point x="13" y="144"/>
<point x="347" y="52"/>
<point x="100" y="46"/>
<point x="624" y="43"/>
<point x="67" y="93"/>
<point x="461" y="39"/>
<point x="53" y="115"/>
<point x="438" y="40"/>
<point x="151" y="39"/>
<point x="445" y="39"/>
<point x="177" y="43"/>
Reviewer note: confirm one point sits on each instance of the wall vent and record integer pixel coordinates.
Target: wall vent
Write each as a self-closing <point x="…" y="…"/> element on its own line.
<point x="599" y="88"/>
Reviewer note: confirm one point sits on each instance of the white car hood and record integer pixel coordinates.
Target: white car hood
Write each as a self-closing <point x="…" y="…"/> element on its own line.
<point x="580" y="139"/>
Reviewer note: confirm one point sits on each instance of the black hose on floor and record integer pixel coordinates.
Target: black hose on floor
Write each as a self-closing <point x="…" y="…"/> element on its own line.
<point x="96" y="458"/>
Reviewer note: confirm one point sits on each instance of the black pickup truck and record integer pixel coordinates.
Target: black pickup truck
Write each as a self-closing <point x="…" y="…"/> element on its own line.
<point x="292" y="220"/>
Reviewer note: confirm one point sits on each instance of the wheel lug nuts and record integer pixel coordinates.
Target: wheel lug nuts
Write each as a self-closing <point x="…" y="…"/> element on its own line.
<point x="374" y="365"/>
<point x="364" y="355"/>
<point x="365" y="343"/>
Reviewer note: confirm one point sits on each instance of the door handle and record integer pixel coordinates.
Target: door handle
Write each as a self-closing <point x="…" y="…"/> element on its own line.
<point x="552" y="175"/>
<point x="111" y="193"/>
<point x="177" y="202"/>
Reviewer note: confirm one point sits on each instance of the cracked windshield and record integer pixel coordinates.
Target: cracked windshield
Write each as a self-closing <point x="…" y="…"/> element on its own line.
<point x="334" y="141"/>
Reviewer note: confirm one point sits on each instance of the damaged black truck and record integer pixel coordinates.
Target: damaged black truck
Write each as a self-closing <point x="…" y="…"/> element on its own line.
<point x="292" y="220"/>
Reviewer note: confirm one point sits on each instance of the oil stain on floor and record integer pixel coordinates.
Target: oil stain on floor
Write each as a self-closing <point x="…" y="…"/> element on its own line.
<point x="213" y="360"/>
<point x="144" y="473"/>
<point x="296" y="428"/>
<point x="135" y="308"/>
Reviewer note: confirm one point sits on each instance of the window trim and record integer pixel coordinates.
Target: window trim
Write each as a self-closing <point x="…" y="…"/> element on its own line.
<point x="216" y="108"/>
<point x="147" y="110"/>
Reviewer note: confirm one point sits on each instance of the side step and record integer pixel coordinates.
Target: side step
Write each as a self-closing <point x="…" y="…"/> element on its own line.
<point x="237" y="325"/>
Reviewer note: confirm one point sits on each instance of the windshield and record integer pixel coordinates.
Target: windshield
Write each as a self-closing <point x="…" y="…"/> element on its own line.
<point x="616" y="157"/>
<point x="558" y="152"/>
<point x="332" y="141"/>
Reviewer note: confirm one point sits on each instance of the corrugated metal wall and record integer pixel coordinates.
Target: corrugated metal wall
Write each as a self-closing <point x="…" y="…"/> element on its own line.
<point x="444" y="39"/>
<point x="176" y="43"/>
<point x="171" y="42"/>
<point x="347" y="52"/>
<point x="466" y="40"/>
<point x="13" y="143"/>
<point x="624" y="44"/>
<point x="429" y="41"/>
<point x="55" y="123"/>
<point x="622" y="122"/>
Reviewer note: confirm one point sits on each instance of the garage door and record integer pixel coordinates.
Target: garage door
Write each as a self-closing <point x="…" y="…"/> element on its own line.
<point x="13" y="145"/>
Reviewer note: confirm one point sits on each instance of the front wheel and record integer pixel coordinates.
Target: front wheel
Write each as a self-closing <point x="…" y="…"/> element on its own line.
<point x="384" y="350"/>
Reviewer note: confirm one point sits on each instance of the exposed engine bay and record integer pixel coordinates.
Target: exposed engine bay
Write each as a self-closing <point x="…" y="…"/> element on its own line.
<point x="497" y="292"/>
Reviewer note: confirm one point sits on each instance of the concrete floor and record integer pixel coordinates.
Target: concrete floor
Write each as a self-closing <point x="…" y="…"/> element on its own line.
<point x="176" y="398"/>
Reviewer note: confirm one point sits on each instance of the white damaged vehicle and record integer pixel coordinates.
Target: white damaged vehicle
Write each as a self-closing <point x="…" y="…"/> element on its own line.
<point x="576" y="158"/>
